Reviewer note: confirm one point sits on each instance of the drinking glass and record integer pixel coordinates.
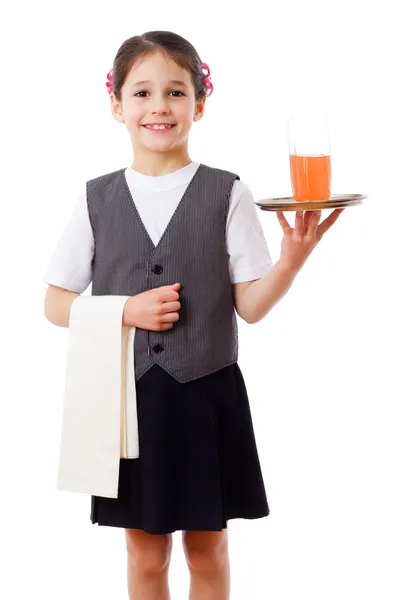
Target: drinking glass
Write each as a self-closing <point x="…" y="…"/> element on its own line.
<point x="310" y="156"/>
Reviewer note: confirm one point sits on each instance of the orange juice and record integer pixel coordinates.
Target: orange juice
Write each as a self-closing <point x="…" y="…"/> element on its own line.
<point x="311" y="177"/>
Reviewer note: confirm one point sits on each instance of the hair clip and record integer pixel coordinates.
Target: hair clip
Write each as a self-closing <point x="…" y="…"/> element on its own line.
<point x="207" y="79"/>
<point x="109" y="83"/>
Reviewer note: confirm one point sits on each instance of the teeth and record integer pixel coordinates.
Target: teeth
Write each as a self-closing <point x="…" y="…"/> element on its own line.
<point x="158" y="126"/>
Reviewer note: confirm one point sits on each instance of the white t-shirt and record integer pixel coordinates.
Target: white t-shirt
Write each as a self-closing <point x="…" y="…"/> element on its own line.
<point x="156" y="199"/>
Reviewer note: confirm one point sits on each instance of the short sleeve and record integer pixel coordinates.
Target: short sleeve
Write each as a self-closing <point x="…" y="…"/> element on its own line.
<point x="246" y="244"/>
<point x="70" y="266"/>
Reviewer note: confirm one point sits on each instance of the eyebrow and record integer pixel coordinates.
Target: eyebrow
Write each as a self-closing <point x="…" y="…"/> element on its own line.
<point x="174" y="81"/>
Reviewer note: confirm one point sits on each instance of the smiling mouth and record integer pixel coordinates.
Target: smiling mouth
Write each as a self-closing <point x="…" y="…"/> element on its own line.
<point x="160" y="127"/>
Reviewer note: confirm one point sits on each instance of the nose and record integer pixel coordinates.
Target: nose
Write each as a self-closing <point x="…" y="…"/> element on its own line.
<point x="159" y="105"/>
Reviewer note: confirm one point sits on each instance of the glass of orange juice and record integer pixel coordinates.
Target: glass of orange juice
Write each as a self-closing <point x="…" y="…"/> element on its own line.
<point x="310" y="156"/>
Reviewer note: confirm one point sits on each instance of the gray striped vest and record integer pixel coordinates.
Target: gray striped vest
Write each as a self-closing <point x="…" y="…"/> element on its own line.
<point x="191" y="251"/>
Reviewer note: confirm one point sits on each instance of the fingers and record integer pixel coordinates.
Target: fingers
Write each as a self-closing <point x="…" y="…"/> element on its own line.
<point x="309" y="224"/>
<point x="282" y="220"/>
<point x="167" y="293"/>
<point x="298" y="224"/>
<point x="329" y="221"/>
<point x="170" y="317"/>
<point x="171" y="314"/>
<point x="169" y="296"/>
<point x="313" y="223"/>
<point x="309" y="216"/>
<point x="170" y="306"/>
<point x="167" y="288"/>
<point x="311" y="220"/>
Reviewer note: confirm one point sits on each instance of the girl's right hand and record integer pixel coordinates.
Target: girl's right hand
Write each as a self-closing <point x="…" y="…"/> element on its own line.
<point x="156" y="309"/>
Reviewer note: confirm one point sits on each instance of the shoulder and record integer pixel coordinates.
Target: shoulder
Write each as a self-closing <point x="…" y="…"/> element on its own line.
<point x="100" y="189"/>
<point x="223" y="173"/>
<point x="226" y="180"/>
<point x="102" y="181"/>
<point x="242" y="198"/>
<point x="240" y="190"/>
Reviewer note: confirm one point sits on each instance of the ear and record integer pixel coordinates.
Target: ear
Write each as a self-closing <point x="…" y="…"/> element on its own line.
<point x="116" y="109"/>
<point x="199" y="110"/>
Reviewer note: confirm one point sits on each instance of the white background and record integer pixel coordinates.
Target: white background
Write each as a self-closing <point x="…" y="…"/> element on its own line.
<point x="321" y="369"/>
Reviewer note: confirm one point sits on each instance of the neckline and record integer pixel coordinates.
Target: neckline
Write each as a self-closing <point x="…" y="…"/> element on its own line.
<point x="178" y="208"/>
<point x="161" y="182"/>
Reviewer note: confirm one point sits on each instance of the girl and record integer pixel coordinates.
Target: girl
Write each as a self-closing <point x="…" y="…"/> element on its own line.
<point x="183" y="240"/>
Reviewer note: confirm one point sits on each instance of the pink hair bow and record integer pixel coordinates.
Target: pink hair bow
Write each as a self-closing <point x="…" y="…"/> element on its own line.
<point x="207" y="78"/>
<point x="109" y="83"/>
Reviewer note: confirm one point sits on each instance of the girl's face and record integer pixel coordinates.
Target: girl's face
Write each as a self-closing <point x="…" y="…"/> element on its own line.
<point x="158" y="91"/>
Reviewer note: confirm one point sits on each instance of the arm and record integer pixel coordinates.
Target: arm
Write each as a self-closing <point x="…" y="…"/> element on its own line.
<point x="57" y="305"/>
<point x="58" y="302"/>
<point x="254" y="299"/>
<point x="70" y="265"/>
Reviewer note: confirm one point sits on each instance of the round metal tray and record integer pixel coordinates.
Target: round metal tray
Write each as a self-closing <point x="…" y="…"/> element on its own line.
<point x="289" y="203"/>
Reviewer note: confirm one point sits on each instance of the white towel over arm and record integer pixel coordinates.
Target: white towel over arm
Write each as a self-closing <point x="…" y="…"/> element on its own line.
<point x="99" y="423"/>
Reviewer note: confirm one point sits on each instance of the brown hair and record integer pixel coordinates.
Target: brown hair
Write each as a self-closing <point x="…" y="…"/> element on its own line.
<point x="167" y="42"/>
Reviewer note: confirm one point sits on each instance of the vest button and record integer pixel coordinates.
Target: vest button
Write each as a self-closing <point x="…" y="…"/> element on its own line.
<point x="157" y="269"/>
<point x="158" y="348"/>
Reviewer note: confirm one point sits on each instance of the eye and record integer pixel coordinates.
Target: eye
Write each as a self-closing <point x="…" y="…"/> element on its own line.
<point x="138" y="94"/>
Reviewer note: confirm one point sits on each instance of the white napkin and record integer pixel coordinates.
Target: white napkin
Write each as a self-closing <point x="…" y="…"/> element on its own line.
<point x="99" y="423"/>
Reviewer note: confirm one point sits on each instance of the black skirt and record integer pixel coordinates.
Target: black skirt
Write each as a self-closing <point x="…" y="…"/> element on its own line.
<point x="198" y="464"/>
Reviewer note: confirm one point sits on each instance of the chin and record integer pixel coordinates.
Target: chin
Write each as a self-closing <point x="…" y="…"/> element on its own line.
<point x="161" y="146"/>
<point x="160" y="150"/>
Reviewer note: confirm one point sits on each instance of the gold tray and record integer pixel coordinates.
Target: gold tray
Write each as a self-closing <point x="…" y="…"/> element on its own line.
<point x="335" y="201"/>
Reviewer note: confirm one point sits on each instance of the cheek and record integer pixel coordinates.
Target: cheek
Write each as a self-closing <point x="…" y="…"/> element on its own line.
<point x="133" y="113"/>
<point x="136" y="116"/>
<point x="184" y="114"/>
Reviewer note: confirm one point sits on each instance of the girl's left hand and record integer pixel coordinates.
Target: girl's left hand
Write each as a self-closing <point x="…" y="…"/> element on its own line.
<point x="300" y="241"/>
